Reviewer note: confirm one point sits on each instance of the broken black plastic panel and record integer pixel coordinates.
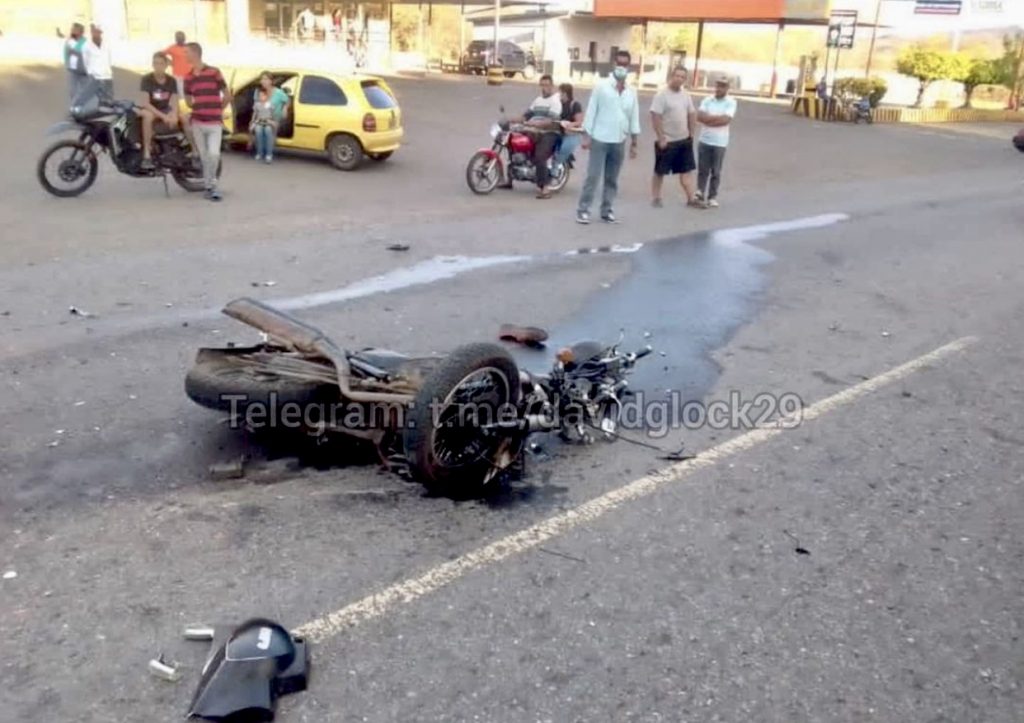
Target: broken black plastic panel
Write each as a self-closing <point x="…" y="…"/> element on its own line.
<point x="248" y="669"/>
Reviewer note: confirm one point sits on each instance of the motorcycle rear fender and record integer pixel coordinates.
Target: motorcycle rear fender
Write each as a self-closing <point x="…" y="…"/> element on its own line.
<point x="62" y="127"/>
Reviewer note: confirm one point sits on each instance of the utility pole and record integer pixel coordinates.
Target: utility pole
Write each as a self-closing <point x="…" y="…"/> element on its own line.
<point x="497" y="28"/>
<point x="874" y="35"/>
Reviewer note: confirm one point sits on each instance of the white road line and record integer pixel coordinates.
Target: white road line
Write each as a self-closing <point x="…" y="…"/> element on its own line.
<point x="378" y="604"/>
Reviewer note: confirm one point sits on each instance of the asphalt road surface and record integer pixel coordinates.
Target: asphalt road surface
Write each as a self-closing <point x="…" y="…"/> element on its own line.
<point x="865" y="565"/>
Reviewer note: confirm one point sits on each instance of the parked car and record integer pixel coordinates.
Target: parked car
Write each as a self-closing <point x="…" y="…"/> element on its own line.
<point x="479" y="56"/>
<point x="346" y="117"/>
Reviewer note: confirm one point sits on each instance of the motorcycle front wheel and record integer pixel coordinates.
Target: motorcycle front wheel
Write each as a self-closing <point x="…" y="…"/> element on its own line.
<point x="67" y="169"/>
<point x="483" y="174"/>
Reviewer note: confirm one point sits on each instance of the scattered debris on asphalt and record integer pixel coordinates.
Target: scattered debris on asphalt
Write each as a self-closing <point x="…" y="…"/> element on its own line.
<point x="168" y="305"/>
<point x="398" y="247"/>
<point x="54" y="443"/>
<point x="264" y="283"/>
<point x="234" y="469"/>
<point x="10" y="575"/>
<point x="248" y="668"/>
<point x="5" y="313"/>
<point x="161" y="669"/>
<point x="886" y="335"/>
<point x="75" y="311"/>
<point x="561" y="554"/>
<point x="80" y="403"/>
<point x="906" y="394"/>
<point x="647" y="335"/>
<point x="798" y="549"/>
<point x="834" y="326"/>
<point x="527" y="335"/>
<point x="535" y="448"/>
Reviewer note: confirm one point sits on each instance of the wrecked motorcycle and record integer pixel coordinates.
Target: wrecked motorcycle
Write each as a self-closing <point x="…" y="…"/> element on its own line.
<point x="452" y="422"/>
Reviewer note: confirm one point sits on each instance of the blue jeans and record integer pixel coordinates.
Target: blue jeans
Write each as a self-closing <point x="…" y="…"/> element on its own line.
<point x="605" y="161"/>
<point x="568" y="145"/>
<point x="264" y="136"/>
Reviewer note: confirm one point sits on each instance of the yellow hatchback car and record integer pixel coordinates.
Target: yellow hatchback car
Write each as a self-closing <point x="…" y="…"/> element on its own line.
<point x="348" y="117"/>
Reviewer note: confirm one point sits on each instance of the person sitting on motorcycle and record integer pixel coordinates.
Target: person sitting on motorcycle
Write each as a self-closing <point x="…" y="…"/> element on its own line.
<point x="544" y="117"/>
<point x="572" y="123"/>
<point x="158" y="106"/>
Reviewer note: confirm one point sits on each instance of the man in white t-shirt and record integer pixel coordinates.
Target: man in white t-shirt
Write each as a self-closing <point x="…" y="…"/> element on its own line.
<point x="544" y="116"/>
<point x="715" y="113"/>
<point x="98" y="64"/>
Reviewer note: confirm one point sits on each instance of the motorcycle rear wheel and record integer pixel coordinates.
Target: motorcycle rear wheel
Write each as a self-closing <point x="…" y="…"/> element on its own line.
<point x="557" y="184"/>
<point x="446" y="448"/>
<point x="70" y="170"/>
<point x="483" y="173"/>
<point x="191" y="183"/>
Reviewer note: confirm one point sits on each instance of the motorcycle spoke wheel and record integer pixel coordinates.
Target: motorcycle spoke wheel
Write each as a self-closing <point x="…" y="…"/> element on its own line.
<point x="483" y="173"/>
<point x="67" y="169"/>
<point x="476" y="401"/>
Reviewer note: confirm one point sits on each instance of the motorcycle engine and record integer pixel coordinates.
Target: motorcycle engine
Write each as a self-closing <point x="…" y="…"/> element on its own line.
<point x="521" y="168"/>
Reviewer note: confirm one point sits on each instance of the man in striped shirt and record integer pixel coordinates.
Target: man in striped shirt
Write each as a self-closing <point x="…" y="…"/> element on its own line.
<point x="207" y="95"/>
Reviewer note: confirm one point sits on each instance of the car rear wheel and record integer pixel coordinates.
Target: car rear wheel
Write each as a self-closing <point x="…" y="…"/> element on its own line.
<point x="346" y="153"/>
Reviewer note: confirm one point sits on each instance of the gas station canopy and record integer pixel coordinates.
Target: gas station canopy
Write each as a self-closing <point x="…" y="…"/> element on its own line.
<point x="790" y="12"/>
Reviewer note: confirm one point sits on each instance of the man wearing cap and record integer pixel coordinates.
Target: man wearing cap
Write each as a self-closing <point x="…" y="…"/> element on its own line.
<point x="98" y="64"/>
<point x="716" y="113"/>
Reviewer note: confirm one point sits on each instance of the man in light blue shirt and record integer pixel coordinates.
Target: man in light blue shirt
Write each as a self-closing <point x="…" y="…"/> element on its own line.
<point x="613" y="114"/>
<point x="716" y="113"/>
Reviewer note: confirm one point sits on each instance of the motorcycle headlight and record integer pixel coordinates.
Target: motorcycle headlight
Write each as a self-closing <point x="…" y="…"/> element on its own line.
<point x="495" y="131"/>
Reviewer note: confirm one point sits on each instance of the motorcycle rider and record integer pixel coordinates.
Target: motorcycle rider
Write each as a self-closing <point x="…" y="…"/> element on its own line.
<point x="158" y="105"/>
<point x="544" y="118"/>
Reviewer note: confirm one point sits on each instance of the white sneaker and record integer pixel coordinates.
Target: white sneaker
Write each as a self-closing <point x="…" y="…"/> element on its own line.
<point x="713" y="203"/>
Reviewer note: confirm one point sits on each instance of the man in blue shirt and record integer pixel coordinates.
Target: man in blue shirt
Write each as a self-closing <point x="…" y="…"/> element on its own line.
<point x="613" y="114"/>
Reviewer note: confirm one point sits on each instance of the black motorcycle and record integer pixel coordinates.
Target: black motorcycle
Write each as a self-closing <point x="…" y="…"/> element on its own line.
<point x="69" y="167"/>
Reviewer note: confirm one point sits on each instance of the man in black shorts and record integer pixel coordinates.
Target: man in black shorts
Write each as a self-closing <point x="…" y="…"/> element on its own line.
<point x="674" y="118"/>
<point x="158" y="105"/>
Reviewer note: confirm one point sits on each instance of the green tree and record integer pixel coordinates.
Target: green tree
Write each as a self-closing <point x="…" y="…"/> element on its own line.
<point x="927" y="66"/>
<point x="982" y="71"/>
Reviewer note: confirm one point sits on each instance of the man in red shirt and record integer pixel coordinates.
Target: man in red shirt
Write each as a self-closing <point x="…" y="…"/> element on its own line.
<point x="179" y="61"/>
<point x="207" y="95"/>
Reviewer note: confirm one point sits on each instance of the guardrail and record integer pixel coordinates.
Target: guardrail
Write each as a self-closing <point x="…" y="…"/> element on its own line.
<point x="832" y="110"/>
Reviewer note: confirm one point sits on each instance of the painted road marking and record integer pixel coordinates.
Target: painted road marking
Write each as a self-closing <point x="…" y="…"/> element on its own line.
<point x="378" y="604"/>
<point x="429" y="271"/>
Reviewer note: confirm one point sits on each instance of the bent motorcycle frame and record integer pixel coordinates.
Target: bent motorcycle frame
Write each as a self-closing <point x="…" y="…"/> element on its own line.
<point x="305" y="339"/>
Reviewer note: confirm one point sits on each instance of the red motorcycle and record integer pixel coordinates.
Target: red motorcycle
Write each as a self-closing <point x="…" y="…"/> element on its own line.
<point x="510" y="158"/>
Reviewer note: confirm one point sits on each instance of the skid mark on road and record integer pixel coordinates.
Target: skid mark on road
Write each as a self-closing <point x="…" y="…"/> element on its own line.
<point x="379" y="604"/>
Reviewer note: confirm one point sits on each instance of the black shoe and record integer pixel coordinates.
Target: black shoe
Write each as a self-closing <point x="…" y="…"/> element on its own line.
<point x="214" y="195"/>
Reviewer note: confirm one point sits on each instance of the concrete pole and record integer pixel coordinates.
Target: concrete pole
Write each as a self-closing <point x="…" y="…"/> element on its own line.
<point x="775" y="61"/>
<point x="696" y="57"/>
<point x="643" y="54"/>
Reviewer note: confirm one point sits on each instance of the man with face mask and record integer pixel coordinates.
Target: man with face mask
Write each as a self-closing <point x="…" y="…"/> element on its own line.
<point x="613" y="114"/>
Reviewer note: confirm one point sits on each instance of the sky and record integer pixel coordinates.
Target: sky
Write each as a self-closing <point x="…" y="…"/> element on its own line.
<point x="900" y="14"/>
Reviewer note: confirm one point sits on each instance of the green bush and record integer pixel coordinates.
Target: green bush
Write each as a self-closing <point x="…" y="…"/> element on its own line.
<point x="874" y="89"/>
